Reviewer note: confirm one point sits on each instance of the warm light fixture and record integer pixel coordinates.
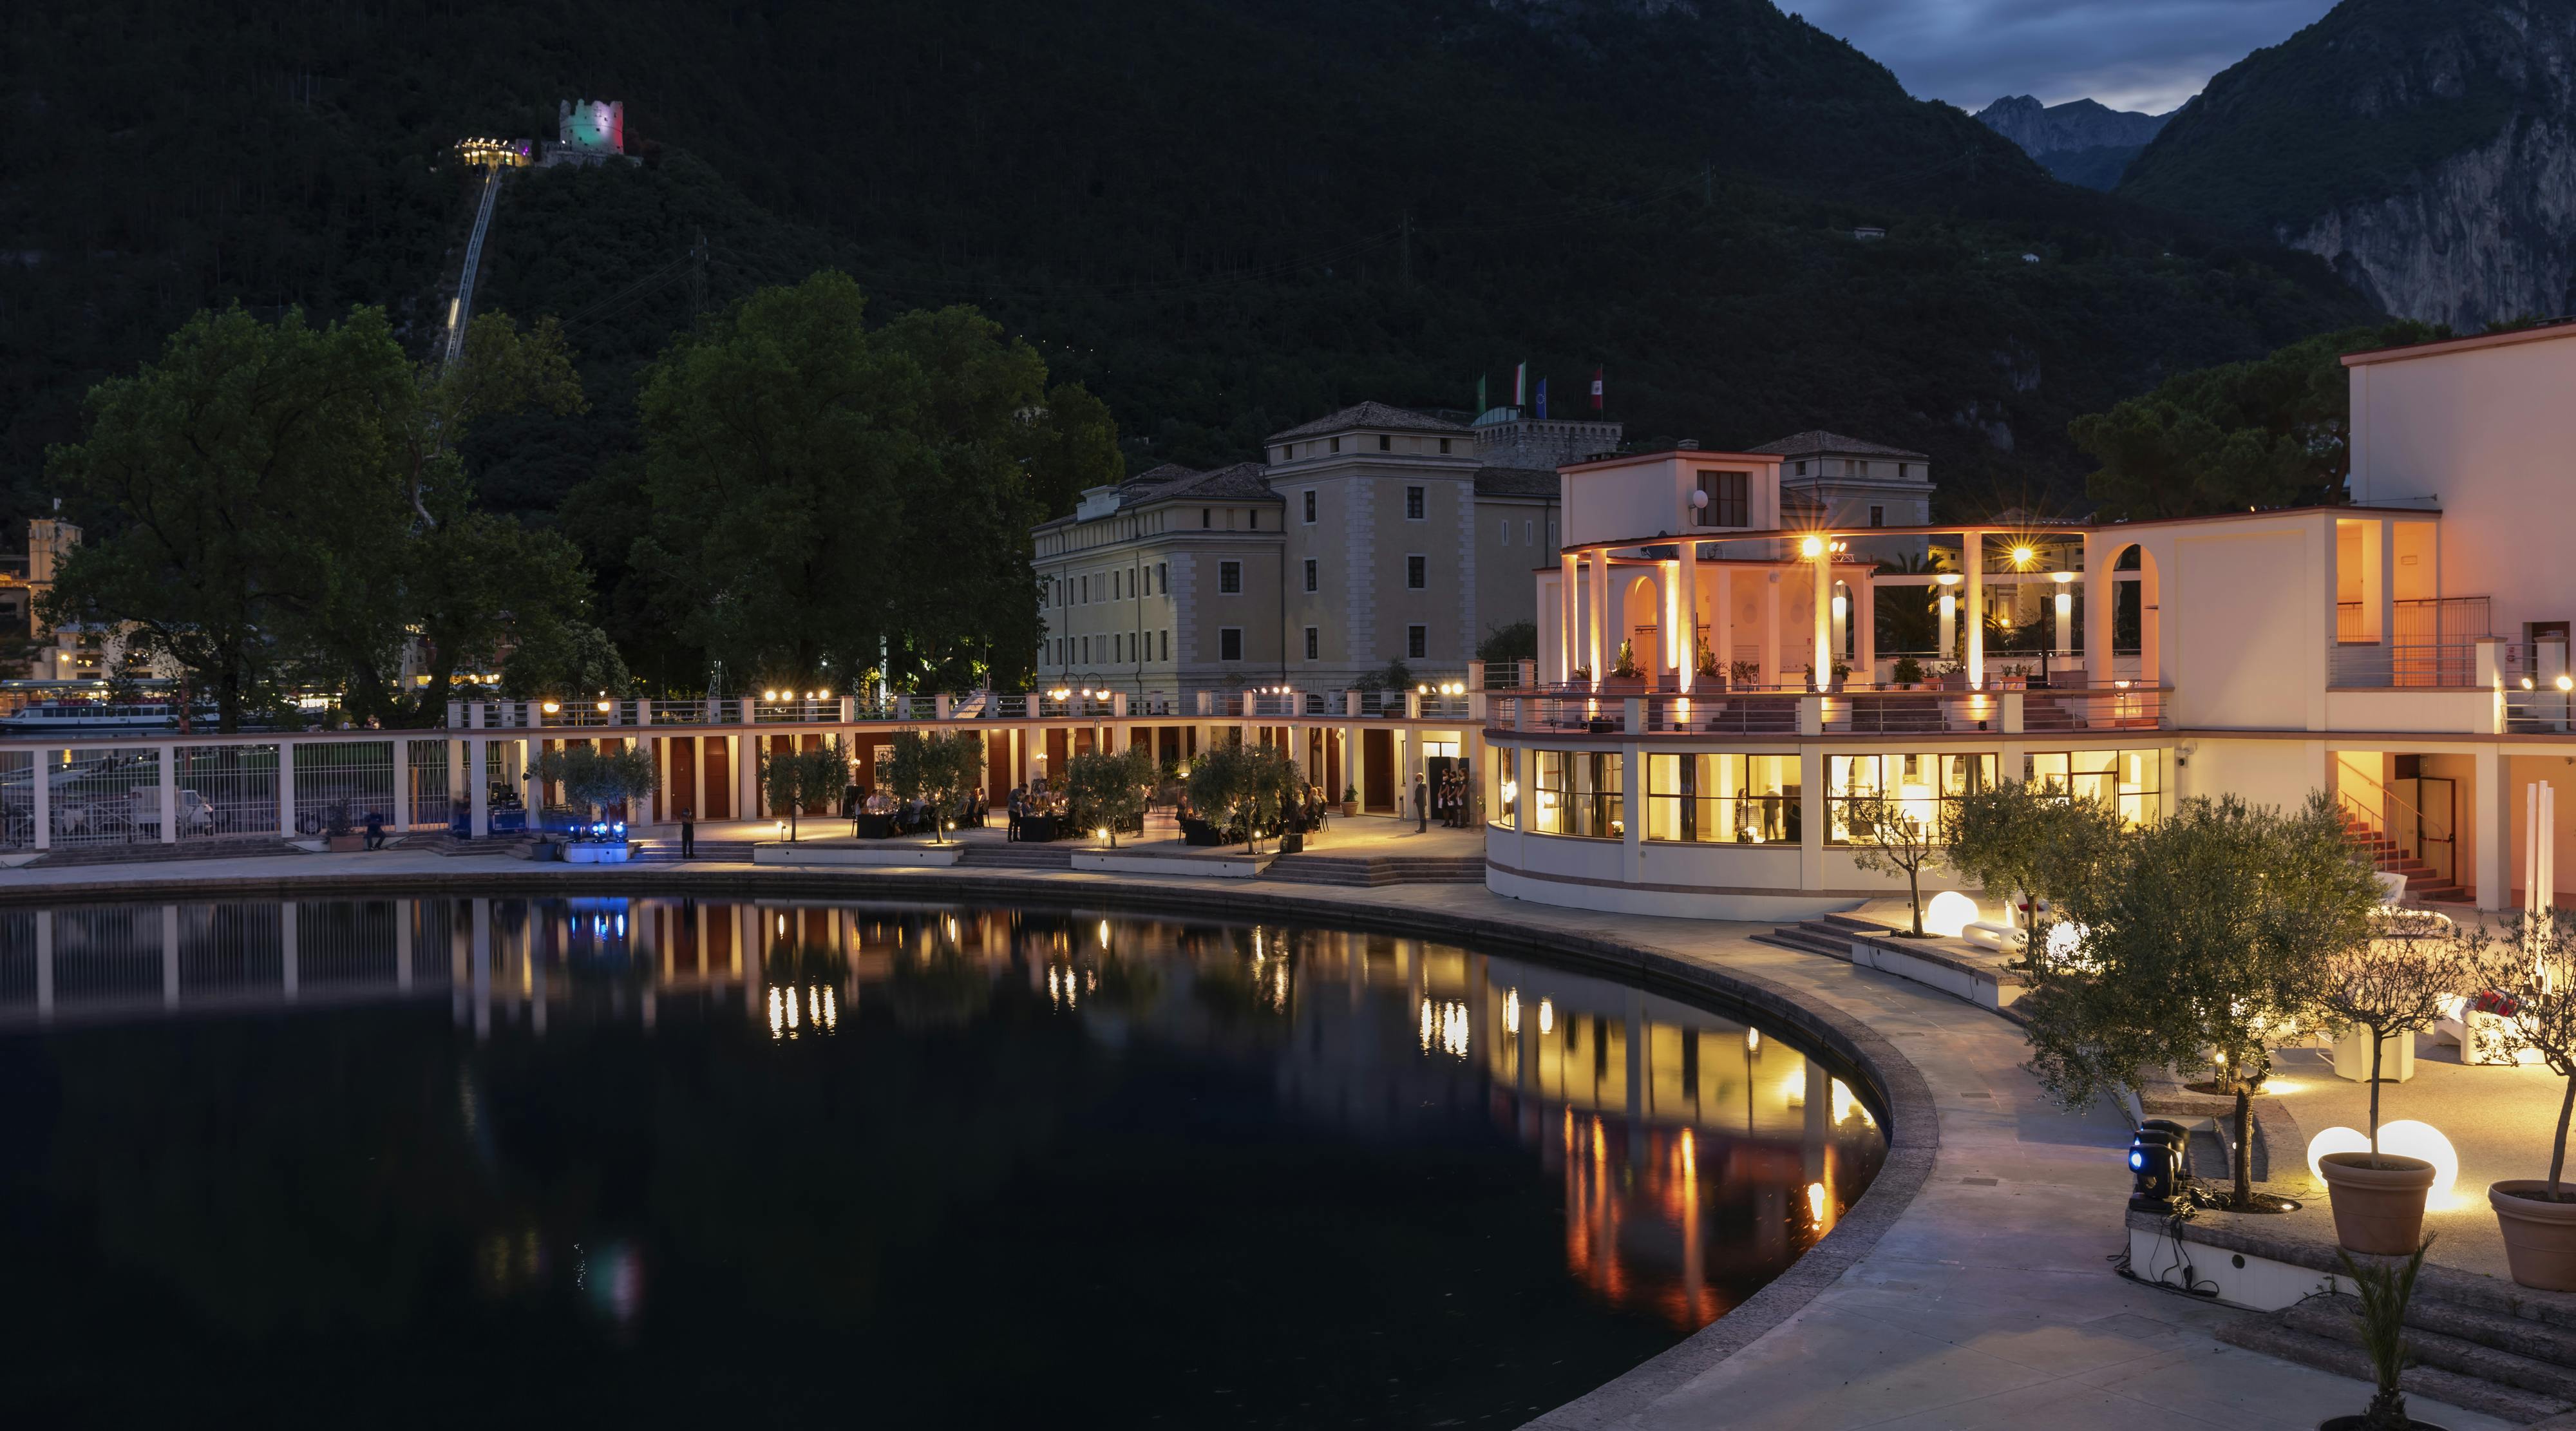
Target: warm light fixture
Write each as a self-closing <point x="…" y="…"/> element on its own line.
<point x="1947" y="578"/>
<point x="603" y="705"/>
<point x="551" y="708"/>
<point x="1949" y="914"/>
<point x="2061" y="577"/>
<point x="1812" y="548"/>
<point x="2021" y="555"/>
<point x="2406" y="1138"/>
<point x="2567" y="683"/>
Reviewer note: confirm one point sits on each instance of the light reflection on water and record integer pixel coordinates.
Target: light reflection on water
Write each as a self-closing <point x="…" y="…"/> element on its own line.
<point x="1682" y="1157"/>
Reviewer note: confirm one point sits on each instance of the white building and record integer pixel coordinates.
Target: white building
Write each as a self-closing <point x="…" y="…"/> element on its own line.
<point x="2407" y="652"/>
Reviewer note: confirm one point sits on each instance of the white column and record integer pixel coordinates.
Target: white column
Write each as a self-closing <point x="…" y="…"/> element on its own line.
<point x="1688" y="657"/>
<point x="746" y="774"/>
<point x="1823" y="656"/>
<point x="1865" y="602"/>
<point x="286" y="789"/>
<point x="1771" y="629"/>
<point x="1972" y="550"/>
<point x="43" y="769"/>
<point x="1603" y="651"/>
<point x="1721" y="626"/>
<point x="2100" y="599"/>
<point x="402" y="784"/>
<point x="1567" y="647"/>
<point x="2491" y="818"/>
<point x="2063" y="599"/>
<point x="478" y="790"/>
<point x="169" y="794"/>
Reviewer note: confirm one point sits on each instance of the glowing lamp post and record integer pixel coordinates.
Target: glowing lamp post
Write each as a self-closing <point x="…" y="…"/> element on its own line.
<point x="1948" y="581"/>
<point x="2065" y="612"/>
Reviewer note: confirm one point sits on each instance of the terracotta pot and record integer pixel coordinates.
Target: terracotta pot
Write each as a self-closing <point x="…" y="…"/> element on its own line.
<point x="2539" y="1235"/>
<point x="2378" y="1202"/>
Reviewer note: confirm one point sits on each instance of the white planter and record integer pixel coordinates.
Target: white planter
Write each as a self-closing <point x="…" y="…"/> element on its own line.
<point x="817" y="852"/>
<point x="1201" y="864"/>
<point x="591" y="852"/>
<point x="2352" y="1056"/>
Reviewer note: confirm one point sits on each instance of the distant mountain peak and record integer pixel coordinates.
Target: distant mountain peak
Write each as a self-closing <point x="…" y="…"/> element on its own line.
<point x="2082" y="141"/>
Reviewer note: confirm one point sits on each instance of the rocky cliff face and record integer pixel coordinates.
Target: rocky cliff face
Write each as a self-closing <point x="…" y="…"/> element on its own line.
<point x="2426" y="151"/>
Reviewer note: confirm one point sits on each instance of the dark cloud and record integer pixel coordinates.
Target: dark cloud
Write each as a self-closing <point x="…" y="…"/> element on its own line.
<point x="2130" y="54"/>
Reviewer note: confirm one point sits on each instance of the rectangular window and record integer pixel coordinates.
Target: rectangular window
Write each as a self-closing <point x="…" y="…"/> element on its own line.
<point x="1729" y="501"/>
<point x="1579" y="792"/>
<point x="1444" y="447"/>
<point x="1229" y="578"/>
<point x="1310" y="506"/>
<point x="1917" y="787"/>
<point x="1229" y="643"/>
<point x="1417" y="642"/>
<point x="1413" y="504"/>
<point x="1723" y="799"/>
<point x="1503" y="532"/>
<point x="1529" y="532"/>
<point x="1163" y="576"/>
<point x="1416" y="573"/>
<point x="1167" y="644"/>
<point x="1252" y="520"/>
<point x="1086" y="591"/>
<point x="1312" y="643"/>
<point x="1385" y="443"/>
<point x="1337" y="444"/>
<point x="1878" y="516"/>
<point x="1207" y="519"/>
<point x="1086" y="650"/>
<point x="2128" y="781"/>
<point x="1311" y="584"/>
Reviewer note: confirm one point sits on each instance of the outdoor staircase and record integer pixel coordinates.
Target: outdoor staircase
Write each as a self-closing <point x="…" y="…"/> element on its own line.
<point x="2041" y="713"/>
<point x="1016" y="855"/>
<point x="1374" y="871"/>
<point x="2520" y="1368"/>
<point x="441" y="843"/>
<point x="1830" y="936"/>
<point x="667" y="852"/>
<point x="2423" y="884"/>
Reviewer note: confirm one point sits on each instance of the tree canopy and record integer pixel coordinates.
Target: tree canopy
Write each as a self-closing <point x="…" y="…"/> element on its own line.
<point x="832" y="501"/>
<point x="2272" y="432"/>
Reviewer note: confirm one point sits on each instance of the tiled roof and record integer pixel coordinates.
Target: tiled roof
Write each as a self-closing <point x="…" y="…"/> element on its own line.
<point x="1373" y="415"/>
<point x="1516" y="482"/>
<point x="1240" y="482"/>
<point x="1153" y="477"/>
<point x="1815" y="443"/>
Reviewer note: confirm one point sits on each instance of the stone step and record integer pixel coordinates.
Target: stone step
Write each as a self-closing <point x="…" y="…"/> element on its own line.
<point x="2267" y="1334"/>
<point x="1018" y="855"/>
<point x="2506" y="1350"/>
<point x="662" y="852"/>
<point x="1807" y="941"/>
<point x="219" y="848"/>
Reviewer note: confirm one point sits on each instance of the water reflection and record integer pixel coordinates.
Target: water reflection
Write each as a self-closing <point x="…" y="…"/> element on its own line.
<point x="878" y="1076"/>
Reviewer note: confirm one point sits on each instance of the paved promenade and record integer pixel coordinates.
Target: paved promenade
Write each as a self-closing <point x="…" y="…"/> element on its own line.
<point x="1987" y="1301"/>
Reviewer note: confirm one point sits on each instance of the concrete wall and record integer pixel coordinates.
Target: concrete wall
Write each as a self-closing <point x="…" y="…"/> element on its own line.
<point x="2243" y="609"/>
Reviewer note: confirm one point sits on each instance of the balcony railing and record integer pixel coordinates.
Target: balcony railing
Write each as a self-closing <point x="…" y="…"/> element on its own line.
<point x="2117" y="707"/>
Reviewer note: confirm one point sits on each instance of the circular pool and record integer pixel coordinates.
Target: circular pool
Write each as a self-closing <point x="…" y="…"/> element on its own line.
<point x="704" y="1160"/>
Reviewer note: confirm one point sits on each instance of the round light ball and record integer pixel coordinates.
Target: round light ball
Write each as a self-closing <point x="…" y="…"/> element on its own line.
<point x="2407" y="1138"/>
<point x="1949" y="914"/>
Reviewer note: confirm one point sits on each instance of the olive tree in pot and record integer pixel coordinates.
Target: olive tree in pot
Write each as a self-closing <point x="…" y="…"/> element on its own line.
<point x="1111" y="790"/>
<point x="2396" y="982"/>
<point x="2532" y="968"/>
<point x="1887" y="838"/>
<point x="595" y="779"/>
<point x="938" y="770"/>
<point x="2207" y="930"/>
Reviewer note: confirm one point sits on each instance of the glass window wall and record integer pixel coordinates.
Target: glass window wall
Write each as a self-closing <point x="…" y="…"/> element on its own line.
<point x="1725" y="799"/>
<point x="1579" y="792"/>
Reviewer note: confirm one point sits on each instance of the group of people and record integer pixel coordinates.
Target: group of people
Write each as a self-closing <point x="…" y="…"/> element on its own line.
<point x="1034" y="801"/>
<point x="905" y="817"/>
<point x="1451" y="797"/>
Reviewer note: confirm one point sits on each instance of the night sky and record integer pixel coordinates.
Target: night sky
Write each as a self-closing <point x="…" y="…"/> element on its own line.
<point x="2146" y="55"/>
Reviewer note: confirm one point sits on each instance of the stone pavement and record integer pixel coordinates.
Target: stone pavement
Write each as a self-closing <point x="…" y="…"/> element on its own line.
<point x="1988" y="1301"/>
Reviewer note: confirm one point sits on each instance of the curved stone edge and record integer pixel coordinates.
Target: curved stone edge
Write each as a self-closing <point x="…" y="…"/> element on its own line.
<point x="1913" y="1121"/>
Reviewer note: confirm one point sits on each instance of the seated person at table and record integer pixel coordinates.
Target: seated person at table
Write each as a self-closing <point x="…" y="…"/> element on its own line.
<point x="877" y="803"/>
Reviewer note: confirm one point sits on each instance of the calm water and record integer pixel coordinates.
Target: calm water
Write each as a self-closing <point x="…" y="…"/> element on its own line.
<point x="707" y="1163"/>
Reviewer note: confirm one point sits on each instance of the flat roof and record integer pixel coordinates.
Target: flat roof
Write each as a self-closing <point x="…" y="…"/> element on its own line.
<point x="2439" y="347"/>
<point x="2036" y="531"/>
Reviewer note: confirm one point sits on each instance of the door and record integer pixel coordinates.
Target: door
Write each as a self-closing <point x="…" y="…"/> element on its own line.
<point x="1377" y="762"/>
<point x="717" y="798"/>
<point x="681" y="753"/>
<point x="2437" y="812"/>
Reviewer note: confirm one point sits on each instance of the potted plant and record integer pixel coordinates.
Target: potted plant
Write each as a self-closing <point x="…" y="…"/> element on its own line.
<point x="2395" y="983"/>
<point x="2383" y="1290"/>
<point x="1350" y="801"/>
<point x="339" y="833"/>
<point x="2016" y="676"/>
<point x="1624" y="672"/>
<point x="1908" y="673"/>
<point x="1743" y="674"/>
<point x="2532" y="967"/>
<point x="1704" y="667"/>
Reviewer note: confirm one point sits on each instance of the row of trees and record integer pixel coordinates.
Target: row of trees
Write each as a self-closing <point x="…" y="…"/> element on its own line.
<point x="280" y="504"/>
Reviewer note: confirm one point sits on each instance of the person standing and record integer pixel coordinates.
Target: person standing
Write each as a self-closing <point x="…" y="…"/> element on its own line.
<point x="688" y="833"/>
<point x="1421" y="803"/>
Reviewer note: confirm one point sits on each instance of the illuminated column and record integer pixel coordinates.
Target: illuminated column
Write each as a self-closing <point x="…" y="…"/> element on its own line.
<point x="2064" y="600"/>
<point x="1688" y="659"/>
<point x="1721" y="628"/>
<point x="1601" y="616"/>
<point x="1821" y="660"/>
<point x="1972" y="550"/>
<point x="2099" y="600"/>
<point x="1568" y="649"/>
<point x="1947" y="583"/>
<point x="1771" y="629"/>
<point x="1867" y="641"/>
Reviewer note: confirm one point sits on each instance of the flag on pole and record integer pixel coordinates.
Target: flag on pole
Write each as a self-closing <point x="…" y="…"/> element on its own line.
<point x="1520" y="384"/>
<point x="1596" y="389"/>
<point x="1542" y="399"/>
<point x="1480" y="393"/>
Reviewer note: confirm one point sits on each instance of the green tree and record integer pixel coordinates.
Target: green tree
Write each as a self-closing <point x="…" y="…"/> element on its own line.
<point x="565" y="662"/>
<point x="829" y="498"/>
<point x="1109" y="790"/>
<point x="791" y="780"/>
<point x="938" y="768"/>
<point x="2273" y="432"/>
<point x="1245" y="784"/>
<point x="593" y="779"/>
<point x="1071" y="445"/>
<point x="2207" y="931"/>
<point x="1515" y="642"/>
<point x="1887" y="838"/>
<point x="238" y="487"/>
<point x="2017" y="839"/>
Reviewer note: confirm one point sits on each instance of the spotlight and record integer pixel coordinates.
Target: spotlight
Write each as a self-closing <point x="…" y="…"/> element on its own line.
<point x="2157" y="1154"/>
